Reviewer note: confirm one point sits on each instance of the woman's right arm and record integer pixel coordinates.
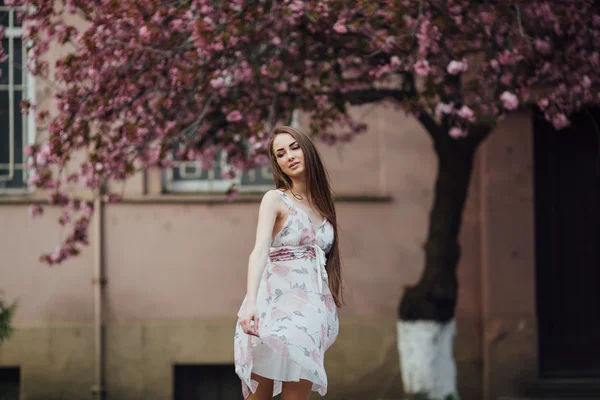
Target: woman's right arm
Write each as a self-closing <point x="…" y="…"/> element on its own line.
<point x="267" y="215"/>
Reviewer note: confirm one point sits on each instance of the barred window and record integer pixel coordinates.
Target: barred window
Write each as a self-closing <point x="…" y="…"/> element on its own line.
<point x="10" y="380"/>
<point x="205" y="382"/>
<point x="16" y="130"/>
<point x="191" y="177"/>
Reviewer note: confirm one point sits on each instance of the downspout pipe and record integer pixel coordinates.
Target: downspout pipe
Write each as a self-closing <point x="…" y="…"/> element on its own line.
<point x="98" y="284"/>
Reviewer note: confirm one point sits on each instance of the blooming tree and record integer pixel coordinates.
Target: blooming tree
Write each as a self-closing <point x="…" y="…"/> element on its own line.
<point x="148" y="81"/>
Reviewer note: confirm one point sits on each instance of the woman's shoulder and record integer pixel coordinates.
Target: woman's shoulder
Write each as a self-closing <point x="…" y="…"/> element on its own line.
<point x="273" y="201"/>
<point x="272" y="198"/>
<point x="271" y="195"/>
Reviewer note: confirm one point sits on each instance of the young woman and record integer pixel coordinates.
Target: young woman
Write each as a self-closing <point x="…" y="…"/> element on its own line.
<point x="289" y="316"/>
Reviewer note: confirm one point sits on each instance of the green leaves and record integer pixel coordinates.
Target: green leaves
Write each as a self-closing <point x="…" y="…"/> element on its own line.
<point x="6" y="314"/>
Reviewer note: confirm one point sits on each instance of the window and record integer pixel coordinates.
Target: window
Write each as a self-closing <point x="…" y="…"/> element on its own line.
<point x="9" y="383"/>
<point x="16" y="129"/>
<point x="190" y="177"/>
<point x="206" y="382"/>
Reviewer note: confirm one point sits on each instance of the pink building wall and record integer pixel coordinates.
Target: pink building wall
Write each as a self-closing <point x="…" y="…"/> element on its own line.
<point x="176" y="271"/>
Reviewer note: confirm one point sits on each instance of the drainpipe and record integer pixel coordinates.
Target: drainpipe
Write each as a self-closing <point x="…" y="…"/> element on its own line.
<point x="98" y="283"/>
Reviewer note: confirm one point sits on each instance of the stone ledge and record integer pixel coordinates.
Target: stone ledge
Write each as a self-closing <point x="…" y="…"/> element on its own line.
<point x="195" y="199"/>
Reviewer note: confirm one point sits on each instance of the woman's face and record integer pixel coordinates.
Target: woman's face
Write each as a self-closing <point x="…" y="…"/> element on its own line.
<point x="289" y="155"/>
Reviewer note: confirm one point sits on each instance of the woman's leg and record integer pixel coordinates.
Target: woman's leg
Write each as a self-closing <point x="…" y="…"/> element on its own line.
<point x="296" y="390"/>
<point x="264" y="390"/>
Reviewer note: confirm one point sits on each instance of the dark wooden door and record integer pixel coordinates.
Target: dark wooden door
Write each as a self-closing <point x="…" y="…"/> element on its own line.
<point x="567" y="221"/>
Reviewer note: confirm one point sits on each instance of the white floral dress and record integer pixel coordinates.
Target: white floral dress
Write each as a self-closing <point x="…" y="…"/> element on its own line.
<point x="298" y="317"/>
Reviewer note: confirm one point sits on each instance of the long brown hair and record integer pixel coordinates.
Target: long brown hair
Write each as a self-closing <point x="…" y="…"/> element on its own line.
<point x="318" y="188"/>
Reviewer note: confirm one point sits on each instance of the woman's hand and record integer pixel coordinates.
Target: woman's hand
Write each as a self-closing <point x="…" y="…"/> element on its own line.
<point x="249" y="320"/>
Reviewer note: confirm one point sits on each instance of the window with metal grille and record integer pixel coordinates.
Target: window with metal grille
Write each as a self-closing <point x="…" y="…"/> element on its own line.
<point x="206" y="382"/>
<point x="191" y="177"/>
<point x="16" y="129"/>
<point x="9" y="383"/>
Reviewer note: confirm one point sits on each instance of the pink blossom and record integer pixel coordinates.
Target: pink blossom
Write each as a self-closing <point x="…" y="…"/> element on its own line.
<point x="87" y="208"/>
<point x="381" y="70"/>
<point x="282" y="86"/>
<point x="456" y="67"/>
<point x="58" y="198"/>
<point x="50" y="184"/>
<point x="509" y="100"/>
<point x="217" y="83"/>
<point x="339" y="26"/>
<point x="506" y="78"/>
<point x="560" y="121"/>
<point x="228" y="173"/>
<point x="321" y="100"/>
<point x="234" y="116"/>
<point x="508" y="57"/>
<point x="65" y="218"/>
<point x="35" y="210"/>
<point x="297" y="6"/>
<point x="42" y="156"/>
<point x="28" y="151"/>
<point x="232" y="193"/>
<point x="71" y="6"/>
<point x="113" y="198"/>
<point x="145" y="32"/>
<point x="443" y="108"/>
<point x="466" y="113"/>
<point x="34" y="179"/>
<point x="456" y="133"/>
<point x="58" y="255"/>
<point x="422" y="67"/>
<point x="543" y="46"/>
<point x="395" y="61"/>
<point x="586" y="82"/>
<point x="75" y="205"/>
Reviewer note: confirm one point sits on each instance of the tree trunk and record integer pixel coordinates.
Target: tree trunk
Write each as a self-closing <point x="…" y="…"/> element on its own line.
<point x="426" y="324"/>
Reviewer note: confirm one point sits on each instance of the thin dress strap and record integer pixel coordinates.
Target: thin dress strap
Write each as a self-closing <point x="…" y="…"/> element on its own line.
<point x="286" y="200"/>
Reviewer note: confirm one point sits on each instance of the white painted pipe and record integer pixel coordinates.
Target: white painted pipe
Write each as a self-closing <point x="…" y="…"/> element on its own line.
<point x="98" y="282"/>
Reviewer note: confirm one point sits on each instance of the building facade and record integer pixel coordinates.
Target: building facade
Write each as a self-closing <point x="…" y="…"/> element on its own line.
<point x="148" y="309"/>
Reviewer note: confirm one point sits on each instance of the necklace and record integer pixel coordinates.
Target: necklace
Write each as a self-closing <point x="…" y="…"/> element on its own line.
<point x="298" y="197"/>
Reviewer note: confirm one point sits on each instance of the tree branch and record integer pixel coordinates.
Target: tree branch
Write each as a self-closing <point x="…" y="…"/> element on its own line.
<point x="433" y="129"/>
<point x="477" y="133"/>
<point x="357" y="97"/>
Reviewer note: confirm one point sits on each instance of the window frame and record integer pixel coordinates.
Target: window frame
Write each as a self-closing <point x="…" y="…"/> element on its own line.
<point x="27" y="88"/>
<point x="211" y="185"/>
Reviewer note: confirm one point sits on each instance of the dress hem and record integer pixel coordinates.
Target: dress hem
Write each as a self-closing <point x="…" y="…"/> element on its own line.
<point x="251" y="387"/>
